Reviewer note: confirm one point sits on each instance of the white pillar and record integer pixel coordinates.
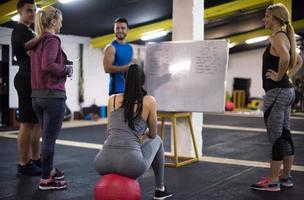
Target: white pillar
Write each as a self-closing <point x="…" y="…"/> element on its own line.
<point x="188" y="24"/>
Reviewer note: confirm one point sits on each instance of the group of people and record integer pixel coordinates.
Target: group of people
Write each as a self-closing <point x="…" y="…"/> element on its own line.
<point x="40" y="84"/>
<point x="131" y="111"/>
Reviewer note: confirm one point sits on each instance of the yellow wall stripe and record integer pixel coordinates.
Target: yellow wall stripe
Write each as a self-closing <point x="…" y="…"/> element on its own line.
<point x="133" y="34"/>
<point x="297" y="25"/>
<point x="234" y="6"/>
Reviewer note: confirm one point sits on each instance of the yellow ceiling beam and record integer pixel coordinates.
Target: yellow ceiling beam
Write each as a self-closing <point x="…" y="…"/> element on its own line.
<point x="297" y="25"/>
<point x="133" y="34"/>
<point x="210" y="13"/>
<point x="245" y="36"/>
<point x="9" y="8"/>
<point x="234" y="6"/>
<point x="45" y="3"/>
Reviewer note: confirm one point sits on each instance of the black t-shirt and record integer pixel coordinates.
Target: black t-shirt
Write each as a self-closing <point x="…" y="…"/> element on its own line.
<point x="22" y="34"/>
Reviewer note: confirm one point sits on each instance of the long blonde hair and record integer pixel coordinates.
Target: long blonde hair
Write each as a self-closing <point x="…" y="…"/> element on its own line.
<point x="280" y="13"/>
<point x="44" y="18"/>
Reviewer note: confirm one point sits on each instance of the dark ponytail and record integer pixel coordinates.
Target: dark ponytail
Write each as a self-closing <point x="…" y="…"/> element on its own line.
<point x="134" y="94"/>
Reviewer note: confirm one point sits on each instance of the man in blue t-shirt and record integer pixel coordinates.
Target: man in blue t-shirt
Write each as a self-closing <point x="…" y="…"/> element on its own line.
<point x="118" y="57"/>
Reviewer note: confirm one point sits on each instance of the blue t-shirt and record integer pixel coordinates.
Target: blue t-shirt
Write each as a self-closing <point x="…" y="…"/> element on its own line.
<point x="123" y="56"/>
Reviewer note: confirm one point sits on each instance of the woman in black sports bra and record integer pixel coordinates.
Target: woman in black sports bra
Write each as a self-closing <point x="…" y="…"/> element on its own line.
<point x="279" y="59"/>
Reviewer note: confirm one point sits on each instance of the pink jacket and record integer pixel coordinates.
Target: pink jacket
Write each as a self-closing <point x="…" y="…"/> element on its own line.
<point x="48" y="70"/>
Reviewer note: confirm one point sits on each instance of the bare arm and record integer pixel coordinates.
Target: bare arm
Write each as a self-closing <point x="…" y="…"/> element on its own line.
<point x="152" y="118"/>
<point x="296" y="68"/>
<point x="108" y="60"/>
<point x="280" y="45"/>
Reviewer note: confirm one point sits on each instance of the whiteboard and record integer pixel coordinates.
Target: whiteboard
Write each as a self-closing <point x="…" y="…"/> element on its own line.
<point x="187" y="75"/>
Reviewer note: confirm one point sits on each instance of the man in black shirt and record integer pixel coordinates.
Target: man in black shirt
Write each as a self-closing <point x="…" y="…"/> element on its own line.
<point x="29" y="130"/>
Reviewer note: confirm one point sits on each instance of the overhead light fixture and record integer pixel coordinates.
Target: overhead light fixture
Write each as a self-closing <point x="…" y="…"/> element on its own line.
<point x="297" y="36"/>
<point x="256" y="40"/>
<point x="15" y="18"/>
<point x="65" y="1"/>
<point x="153" y="34"/>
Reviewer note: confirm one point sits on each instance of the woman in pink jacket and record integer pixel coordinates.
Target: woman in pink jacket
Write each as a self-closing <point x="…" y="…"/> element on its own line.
<point x="48" y="76"/>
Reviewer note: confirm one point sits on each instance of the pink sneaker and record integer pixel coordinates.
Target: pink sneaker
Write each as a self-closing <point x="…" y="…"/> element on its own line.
<point x="57" y="174"/>
<point x="53" y="185"/>
<point x="267" y="185"/>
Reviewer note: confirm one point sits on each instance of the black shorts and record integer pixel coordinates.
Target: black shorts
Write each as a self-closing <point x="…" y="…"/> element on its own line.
<point x="23" y="86"/>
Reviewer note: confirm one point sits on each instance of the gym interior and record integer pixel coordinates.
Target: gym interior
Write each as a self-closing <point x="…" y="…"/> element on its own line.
<point x="218" y="153"/>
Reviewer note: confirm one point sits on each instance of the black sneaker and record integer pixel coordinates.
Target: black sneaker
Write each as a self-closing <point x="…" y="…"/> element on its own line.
<point x="29" y="169"/>
<point x="160" y="195"/>
<point x="53" y="185"/>
<point x="37" y="162"/>
<point x="57" y="174"/>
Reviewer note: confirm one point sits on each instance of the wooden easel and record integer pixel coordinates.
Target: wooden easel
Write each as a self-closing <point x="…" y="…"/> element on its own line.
<point x="178" y="161"/>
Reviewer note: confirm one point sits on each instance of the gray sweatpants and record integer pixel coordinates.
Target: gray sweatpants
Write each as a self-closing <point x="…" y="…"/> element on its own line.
<point x="131" y="162"/>
<point x="277" y="107"/>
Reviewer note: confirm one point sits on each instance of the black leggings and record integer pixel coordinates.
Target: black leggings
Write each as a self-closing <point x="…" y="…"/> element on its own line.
<point x="50" y="112"/>
<point x="23" y="86"/>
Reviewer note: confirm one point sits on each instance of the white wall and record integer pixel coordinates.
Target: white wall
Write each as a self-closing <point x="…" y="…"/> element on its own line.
<point x="95" y="79"/>
<point x="73" y="53"/>
<point x="246" y="65"/>
<point x="243" y="65"/>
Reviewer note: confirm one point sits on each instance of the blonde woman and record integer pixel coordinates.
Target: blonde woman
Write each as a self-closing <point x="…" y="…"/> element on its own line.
<point x="49" y="72"/>
<point x="279" y="59"/>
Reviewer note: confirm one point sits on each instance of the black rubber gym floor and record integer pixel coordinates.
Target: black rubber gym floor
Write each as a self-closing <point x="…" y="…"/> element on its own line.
<point x="202" y="180"/>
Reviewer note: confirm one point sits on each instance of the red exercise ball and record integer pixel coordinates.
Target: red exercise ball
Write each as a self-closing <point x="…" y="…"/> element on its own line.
<point x="116" y="187"/>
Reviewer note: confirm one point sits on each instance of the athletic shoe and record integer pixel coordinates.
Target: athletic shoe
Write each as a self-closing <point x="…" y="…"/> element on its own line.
<point x="286" y="182"/>
<point x="53" y="185"/>
<point x="29" y="169"/>
<point x="57" y="174"/>
<point x="160" y="195"/>
<point x="37" y="162"/>
<point x="266" y="185"/>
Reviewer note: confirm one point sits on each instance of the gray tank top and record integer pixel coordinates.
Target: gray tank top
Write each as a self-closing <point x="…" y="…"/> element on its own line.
<point x="121" y="135"/>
